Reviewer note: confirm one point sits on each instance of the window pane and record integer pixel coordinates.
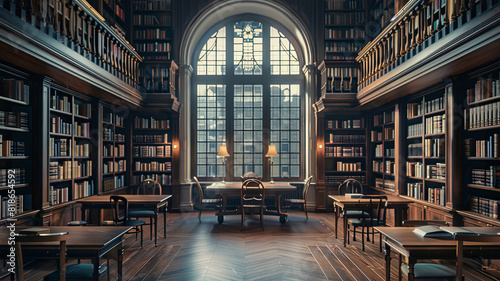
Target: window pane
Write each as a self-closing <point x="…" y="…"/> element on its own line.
<point x="212" y="58"/>
<point x="283" y="55"/>
<point x="248" y="48"/>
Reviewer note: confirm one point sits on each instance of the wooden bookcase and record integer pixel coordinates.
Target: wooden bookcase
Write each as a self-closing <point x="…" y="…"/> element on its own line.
<point x="16" y="141"/>
<point x="481" y="143"/>
<point x="381" y="13"/>
<point x="70" y="146"/>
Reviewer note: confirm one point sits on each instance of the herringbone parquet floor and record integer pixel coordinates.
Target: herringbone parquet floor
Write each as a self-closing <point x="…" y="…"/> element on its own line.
<point x="297" y="250"/>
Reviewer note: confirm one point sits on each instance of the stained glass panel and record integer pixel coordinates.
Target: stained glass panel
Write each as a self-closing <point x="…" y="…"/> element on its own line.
<point x="248" y="48"/>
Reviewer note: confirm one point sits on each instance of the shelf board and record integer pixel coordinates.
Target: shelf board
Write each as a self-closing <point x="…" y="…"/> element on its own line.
<point x="60" y="135"/>
<point x="435" y="180"/>
<point x="415" y="157"/>
<point x="111" y="124"/>
<point x="153" y="143"/>
<point x="389" y="140"/>
<point x="14" y="129"/>
<point x="427" y="203"/>
<point x="440" y="111"/>
<point x="82" y="158"/>
<point x="150" y="157"/>
<point x="484" y="128"/>
<point x="57" y="181"/>
<point x="152" y="39"/>
<point x="82" y="117"/>
<point x="483" y="187"/>
<point x="13" y="100"/>
<point x="434" y="158"/>
<point x="484" y="101"/>
<point x="60" y="157"/>
<point x="53" y="110"/>
<point x="82" y="138"/>
<point x="82" y="178"/>
<point x="479" y="217"/>
<point x="434" y="135"/>
<point x="415" y="178"/>
<point x="15" y="186"/>
<point x="414" y="137"/>
<point x="154" y="172"/>
<point x="14" y="157"/>
<point x="112" y="173"/>
<point x="113" y="190"/>
<point x="108" y="140"/>
<point x="483" y="158"/>
<point x="414" y="118"/>
<point x="152" y="129"/>
<point x="343" y="10"/>
<point x="344" y="143"/>
<point x="349" y="172"/>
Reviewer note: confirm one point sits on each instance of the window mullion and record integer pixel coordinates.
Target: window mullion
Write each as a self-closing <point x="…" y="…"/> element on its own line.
<point x="228" y="79"/>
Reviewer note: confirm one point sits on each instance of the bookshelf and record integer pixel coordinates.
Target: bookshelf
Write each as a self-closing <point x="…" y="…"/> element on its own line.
<point x="69" y="147"/>
<point x="383" y="150"/>
<point x="381" y="13"/>
<point x="481" y="144"/>
<point x="425" y="178"/>
<point x="113" y="148"/>
<point x="15" y="141"/>
<point x="151" y="149"/>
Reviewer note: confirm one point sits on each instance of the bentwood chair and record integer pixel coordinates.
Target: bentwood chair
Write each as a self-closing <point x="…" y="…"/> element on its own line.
<point x="252" y="197"/>
<point x="80" y="271"/>
<point x="121" y="215"/>
<point x="205" y="202"/>
<point x="250" y="175"/>
<point x="303" y="201"/>
<point x="376" y="207"/>
<point x="148" y="186"/>
<point x="353" y="188"/>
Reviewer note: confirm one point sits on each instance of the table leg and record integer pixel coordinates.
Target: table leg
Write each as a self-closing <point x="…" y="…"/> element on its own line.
<point x="84" y="211"/>
<point x="156" y="226"/>
<point x="345" y="230"/>
<point x="411" y="269"/>
<point x="165" y="220"/>
<point x="387" y="262"/>
<point x="95" y="274"/>
<point x="120" y="263"/>
<point x="337" y="212"/>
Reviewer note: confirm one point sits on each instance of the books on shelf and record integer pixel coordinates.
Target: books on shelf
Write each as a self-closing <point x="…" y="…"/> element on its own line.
<point x="349" y="167"/>
<point x="82" y="150"/>
<point x="341" y="138"/>
<point x="415" y="190"/>
<point x="346" y="124"/>
<point x="154" y="20"/>
<point x="60" y="102"/>
<point x="376" y="136"/>
<point x="415" y="130"/>
<point x="435" y="124"/>
<point x="483" y="116"/>
<point x="151" y="123"/>
<point x="488" y="148"/>
<point x="483" y="89"/>
<point x="60" y="147"/>
<point x="152" y="151"/>
<point x="62" y="170"/>
<point x="152" y="5"/>
<point x="344" y="151"/>
<point x="163" y="138"/>
<point x="488" y="177"/>
<point x="434" y="231"/>
<point x="338" y="179"/>
<point x="163" y="179"/>
<point x="15" y="89"/>
<point x="153" y="166"/>
<point x="343" y="4"/>
<point x="20" y="176"/>
<point x="437" y="171"/>
<point x="114" y="166"/>
<point x="356" y="18"/>
<point x="415" y="169"/>
<point x="59" y="126"/>
<point x="18" y="120"/>
<point x="82" y="129"/>
<point x="485" y="206"/>
<point x="413" y="109"/>
<point x="58" y="195"/>
<point x="434" y="105"/>
<point x="21" y="203"/>
<point x="9" y="148"/>
<point x="83" y="189"/>
<point x="415" y="149"/>
<point x="434" y="147"/>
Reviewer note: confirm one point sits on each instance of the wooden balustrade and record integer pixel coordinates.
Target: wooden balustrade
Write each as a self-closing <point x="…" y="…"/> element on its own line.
<point x="78" y="26"/>
<point x="410" y="31"/>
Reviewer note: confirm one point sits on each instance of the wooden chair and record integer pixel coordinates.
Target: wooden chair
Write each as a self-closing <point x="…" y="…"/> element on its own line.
<point x="148" y="186"/>
<point x="377" y="210"/>
<point x="204" y="202"/>
<point x="121" y="215"/>
<point x="351" y="186"/>
<point x="303" y="201"/>
<point x="252" y="197"/>
<point x="250" y="175"/>
<point x="80" y="271"/>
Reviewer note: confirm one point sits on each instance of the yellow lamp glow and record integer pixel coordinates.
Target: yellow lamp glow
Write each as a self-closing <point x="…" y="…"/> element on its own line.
<point x="271" y="152"/>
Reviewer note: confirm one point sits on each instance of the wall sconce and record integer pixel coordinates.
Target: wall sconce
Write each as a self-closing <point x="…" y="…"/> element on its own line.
<point x="175" y="146"/>
<point x="223" y="153"/>
<point x="320" y="146"/>
<point x="271" y="152"/>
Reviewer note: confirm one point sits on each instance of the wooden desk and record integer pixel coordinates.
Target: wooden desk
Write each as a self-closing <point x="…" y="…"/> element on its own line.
<point x="154" y="202"/>
<point x="275" y="190"/>
<point x="399" y="204"/>
<point x="412" y="246"/>
<point x="85" y="242"/>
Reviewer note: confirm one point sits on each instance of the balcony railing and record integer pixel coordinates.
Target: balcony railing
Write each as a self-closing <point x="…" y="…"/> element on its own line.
<point x="413" y="29"/>
<point x="76" y="25"/>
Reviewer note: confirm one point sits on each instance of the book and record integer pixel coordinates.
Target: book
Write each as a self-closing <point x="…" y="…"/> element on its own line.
<point x="34" y="230"/>
<point x="434" y="231"/>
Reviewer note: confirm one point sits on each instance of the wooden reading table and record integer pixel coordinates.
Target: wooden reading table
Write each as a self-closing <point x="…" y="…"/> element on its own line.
<point x="153" y="202"/>
<point x="275" y="190"/>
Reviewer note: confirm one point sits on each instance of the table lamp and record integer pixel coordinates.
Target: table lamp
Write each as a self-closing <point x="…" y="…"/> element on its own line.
<point x="271" y="152"/>
<point x="223" y="153"/>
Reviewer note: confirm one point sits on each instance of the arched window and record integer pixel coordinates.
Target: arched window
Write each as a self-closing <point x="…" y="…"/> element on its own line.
<point x="247" y="96"/>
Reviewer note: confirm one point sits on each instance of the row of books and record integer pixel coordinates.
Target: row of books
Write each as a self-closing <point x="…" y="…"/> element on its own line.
<point x="484" y="89"/>
<point x="483" y="116"/>
<point x="344" y="151"/>
<point x="414" y="109"/>
<point x="415" y="130"/>
<point x="349" y="167"/>
<point x="16" y="89"/>
<point x="82" y="168"/>
<point x="58" y="195"/>
<point x="435" y="124"/>
<point x="344" y="33"/>
<point x="433" y="195"/>
<point x="485" y="206"/>
<point x="14" y="119"/>
<point x="109" y="135"/>
<point x="436" y="172"/>
<point x="20" y="204"/>
<point x="16" y="174"/>
<point x="330" y="56"/>
<point x="60" y="102"/>
<point x="152" y="5"/>
<point x="82" y="150"/>
<point x="114" y="166"/>
<point x="151" y="123"/>
<point x="163" y="179"/>
<point x="59" y="126"/>
<point x="110" y="150"/>
<point x="59" y="147"/>
<point x="435" y="104"/>
<point x="346" y="124"/>
<point x="342" y="46"/>
<point x="65" y="170"/>
<point x="415" y="169"/>
<point x="344" y="4"/>
<point x="155" y="20"/>
<point x="110" y="183"/>
<point x="157" y="57"/>
<point x="153" y="166"/>
<point x="345" y="18"/>
<point x="83" y="189"/>
<point x="387" y="167"/>
<point x="114" y="119"/>
<point x="336" y="179"/>
<point x="415" y="149"/>
<point x="386" y="117"/>
<point x="153" y="47"/>
<point x="82" y="129"/>
<point x="434" y="147"/>
<point x="156" y="78"/>
<point x="155" y="33"/>
<point x="120" y="12"/>
<point x="152" y="151"/>
<point x="489" y="177"/>
<point x="483" y="148"/>
<point x="385" y="184"/>
<point x="150" y="138"/>
<point x="337" y="138"/>
<point x="82" y="109"/>
<point x="379" y="151"/>
<point x="10" y="148"/>
<point x="376" y="136"/>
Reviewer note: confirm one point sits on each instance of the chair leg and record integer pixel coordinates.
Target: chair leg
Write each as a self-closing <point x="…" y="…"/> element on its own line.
<point x="242" y="218"/>
<point x="380" y="237"/>
<point x="348" y="234"/>
<point x="363" y="237"/>
<point x="354" y="234"/>
<point x="399" y="266"/>
<point x="141" y="235"/>
<point x="151" y="228"/>
<point x="199" y="214"/>
<point x="305" y="210"/>
<point x="262" y="218"/>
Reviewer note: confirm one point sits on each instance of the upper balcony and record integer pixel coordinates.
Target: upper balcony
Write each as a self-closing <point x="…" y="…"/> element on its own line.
<point x="69" y="41"/>
<point x="426" y="42"/>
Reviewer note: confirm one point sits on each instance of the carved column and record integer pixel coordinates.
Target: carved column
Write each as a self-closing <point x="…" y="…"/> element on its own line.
<point x="89" y="34"/>
<point x="64" y="8"/>
<point x="71" y="25"/>
<point x="413" y="25"/>
<point x="407" y="24"/>
<point x="56" y="16"/>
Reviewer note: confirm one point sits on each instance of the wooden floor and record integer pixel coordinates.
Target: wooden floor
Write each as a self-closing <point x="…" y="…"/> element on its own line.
<point x="298" y="250"/>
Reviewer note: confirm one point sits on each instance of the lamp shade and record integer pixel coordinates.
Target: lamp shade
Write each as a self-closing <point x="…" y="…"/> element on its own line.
<point x="272" y="151"/>
<point x="222" y="151"/>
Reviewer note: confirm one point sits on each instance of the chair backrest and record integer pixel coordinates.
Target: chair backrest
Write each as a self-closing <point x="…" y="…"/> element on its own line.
<point x="200" y="191"/>
<point x="425" y="222"/>
<point x="40" y="238"/>
<point x="149" y="186"/>
<point x="306" y="188"/>
<point x="252" y="189"/>
<point x="376" y="207"/>
<point x="493" y="238"/>
<point x="250" y="175"/>
<point x="350" y="186"/>
<point x="119" y="205"/>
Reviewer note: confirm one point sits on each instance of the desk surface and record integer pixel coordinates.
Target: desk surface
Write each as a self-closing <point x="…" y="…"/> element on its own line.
<point x="131" y="198"/>
<point x="237" y="186"/>
<point x="391" y="199"/>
